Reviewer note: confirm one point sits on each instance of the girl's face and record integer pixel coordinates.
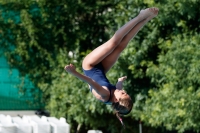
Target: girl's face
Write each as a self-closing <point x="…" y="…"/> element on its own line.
<point x="120" y="94"/>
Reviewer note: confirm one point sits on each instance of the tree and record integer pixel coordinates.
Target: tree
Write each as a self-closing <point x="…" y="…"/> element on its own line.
<point x="174" y="102"/>
<point x="39" y="38"/>
<point x="173" y="98"/>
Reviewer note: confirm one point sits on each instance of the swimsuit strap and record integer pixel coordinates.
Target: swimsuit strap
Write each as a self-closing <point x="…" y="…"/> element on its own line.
<point x="109" y="97"/>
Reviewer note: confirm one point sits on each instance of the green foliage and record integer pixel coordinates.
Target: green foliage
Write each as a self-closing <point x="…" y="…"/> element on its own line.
<point x="173" y="74"/>
<point x="180" y="107"/>
<point x="162" y="62"/>
<point x="180" y="64"/>
<point x="41" y="37"/>
<point x="177" y="77"/>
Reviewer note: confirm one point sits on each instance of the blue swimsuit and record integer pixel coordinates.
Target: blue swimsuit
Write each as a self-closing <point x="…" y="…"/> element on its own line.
<point x="98" y="75"/>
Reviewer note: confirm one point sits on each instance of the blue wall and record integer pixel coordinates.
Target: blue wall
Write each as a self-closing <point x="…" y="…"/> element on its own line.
<point x="11" y="96"/>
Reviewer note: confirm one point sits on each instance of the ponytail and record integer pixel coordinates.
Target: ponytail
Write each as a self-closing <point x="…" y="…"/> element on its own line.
<point x="120" y="119"/>
<point x="123" y="107"/>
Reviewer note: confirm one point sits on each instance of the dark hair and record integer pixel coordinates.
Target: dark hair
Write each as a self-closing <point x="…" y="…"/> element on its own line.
<point x="120" y="118"/>
<point x="123" y="107"/>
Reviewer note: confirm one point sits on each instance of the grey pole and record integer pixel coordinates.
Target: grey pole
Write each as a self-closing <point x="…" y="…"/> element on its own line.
<point x="140" y="126"/>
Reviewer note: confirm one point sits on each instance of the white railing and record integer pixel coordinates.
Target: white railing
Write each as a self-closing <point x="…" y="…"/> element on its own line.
<point x="33" y="124"/>
<point x="94" y="131"/>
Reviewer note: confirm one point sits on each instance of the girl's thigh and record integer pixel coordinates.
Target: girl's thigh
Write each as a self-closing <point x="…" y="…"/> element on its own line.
<point x="98" y="54"/>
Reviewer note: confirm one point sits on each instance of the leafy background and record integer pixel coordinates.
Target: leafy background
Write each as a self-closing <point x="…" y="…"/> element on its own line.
<point x="162" y="62"/>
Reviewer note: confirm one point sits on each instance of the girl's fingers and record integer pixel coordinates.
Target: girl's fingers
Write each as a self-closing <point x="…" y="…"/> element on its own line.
<point x="122" y="78"/>
<point x="67" y="68"/>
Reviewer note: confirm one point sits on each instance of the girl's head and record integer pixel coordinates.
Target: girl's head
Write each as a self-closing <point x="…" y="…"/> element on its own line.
<point x="123" y="103"/>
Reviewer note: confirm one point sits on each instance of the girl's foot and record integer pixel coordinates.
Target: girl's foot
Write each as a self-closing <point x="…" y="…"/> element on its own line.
<point x="155" y="13"/>
<point x="148" y="12"/>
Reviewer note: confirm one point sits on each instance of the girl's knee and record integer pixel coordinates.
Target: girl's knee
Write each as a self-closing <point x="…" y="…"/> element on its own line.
<point x="112" y="44"/>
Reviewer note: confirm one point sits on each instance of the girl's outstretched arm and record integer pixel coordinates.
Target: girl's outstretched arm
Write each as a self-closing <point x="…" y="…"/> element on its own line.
<point x="99" y="89"/>
<point x="119" y="84"/>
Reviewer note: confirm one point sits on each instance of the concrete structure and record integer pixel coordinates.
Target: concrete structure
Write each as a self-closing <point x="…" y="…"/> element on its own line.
<point x="33" y="124"/>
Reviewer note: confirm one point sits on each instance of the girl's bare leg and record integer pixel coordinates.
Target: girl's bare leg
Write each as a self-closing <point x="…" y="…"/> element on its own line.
<point x="104" y="50"/>
<point x="109" y="61"/>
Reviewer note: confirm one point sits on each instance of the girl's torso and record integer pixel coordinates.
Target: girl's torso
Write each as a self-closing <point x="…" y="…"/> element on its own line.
<point x="98" y="75"/>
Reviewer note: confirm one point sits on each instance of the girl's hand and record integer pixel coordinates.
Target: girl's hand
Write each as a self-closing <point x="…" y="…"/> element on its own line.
<point x="70" y="68"/>
<point x="122" y="78"/>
